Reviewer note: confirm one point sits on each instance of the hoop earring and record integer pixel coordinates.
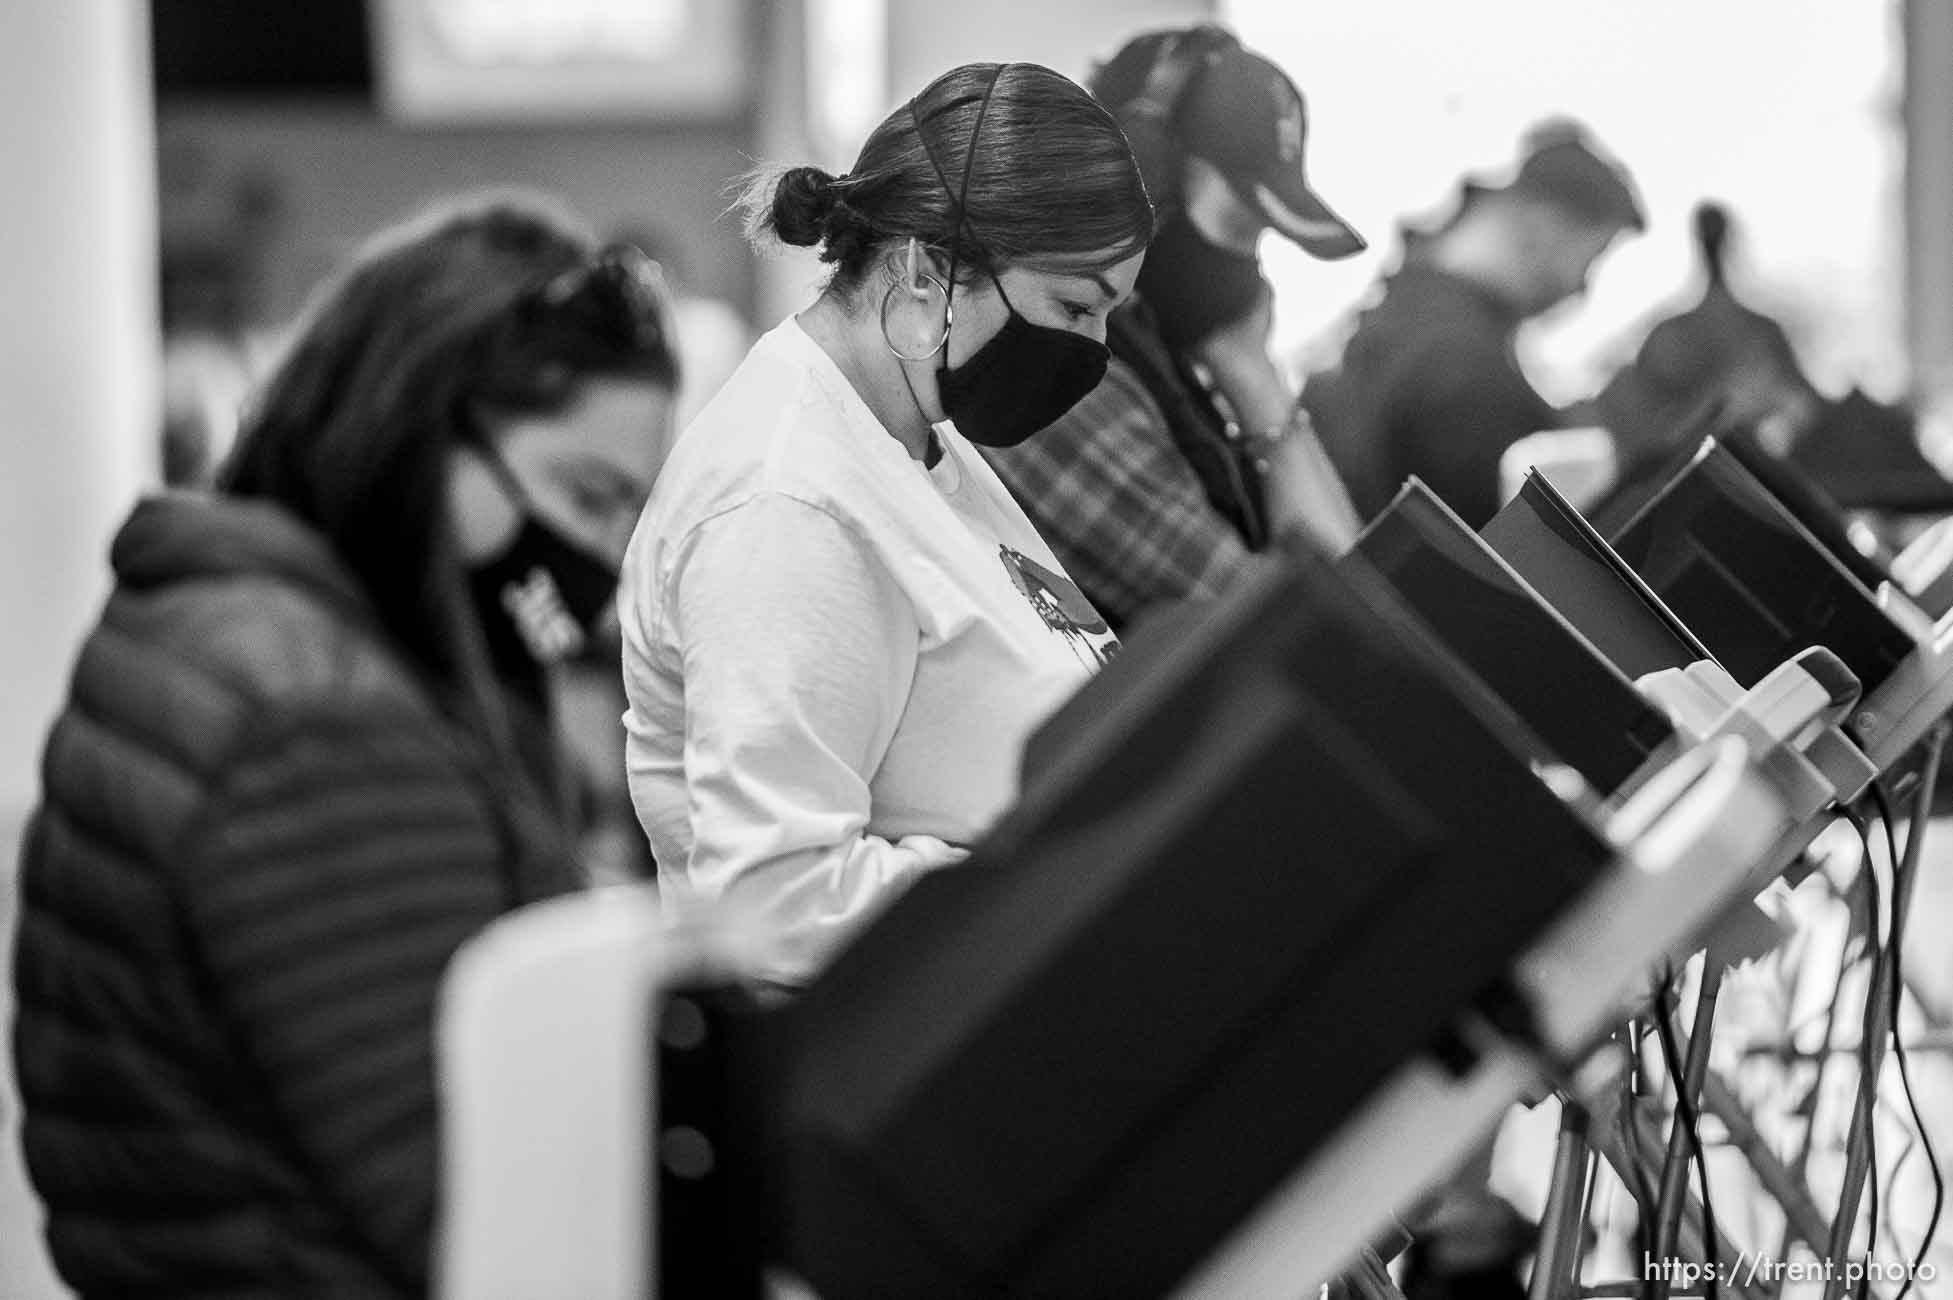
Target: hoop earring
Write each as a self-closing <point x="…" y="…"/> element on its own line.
<point x="922" y="277"/>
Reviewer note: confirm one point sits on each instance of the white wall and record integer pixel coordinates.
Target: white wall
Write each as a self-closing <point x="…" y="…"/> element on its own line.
<point x="78" y="367"/>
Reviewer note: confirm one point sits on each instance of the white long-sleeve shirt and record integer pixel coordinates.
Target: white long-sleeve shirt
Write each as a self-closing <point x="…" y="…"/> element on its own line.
<point x="833" y="654"/>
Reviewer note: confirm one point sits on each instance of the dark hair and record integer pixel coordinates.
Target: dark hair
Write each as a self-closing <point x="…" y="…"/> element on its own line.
<point x="1051" y="180"/>
<point x="494" y="303"/>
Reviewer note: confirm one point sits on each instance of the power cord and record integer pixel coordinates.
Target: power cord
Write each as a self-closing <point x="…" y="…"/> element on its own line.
<point x="1692" y="1122"/>
<point x="1647" y="1205"/>
<point x="1894" y="944"/>
<point x="1867" y="1072"/>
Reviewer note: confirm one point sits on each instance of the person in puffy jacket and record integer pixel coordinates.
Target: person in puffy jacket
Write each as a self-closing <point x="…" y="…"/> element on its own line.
<point x="305" y="757"/>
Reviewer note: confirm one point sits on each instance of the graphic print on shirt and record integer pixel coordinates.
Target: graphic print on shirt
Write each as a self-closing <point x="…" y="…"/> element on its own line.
<point x="1063" y="607"/>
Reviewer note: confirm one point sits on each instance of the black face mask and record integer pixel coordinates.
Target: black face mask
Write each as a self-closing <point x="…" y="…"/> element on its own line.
<point x="541" y="598"/>
<point x="1021" y="380"/>
<point x="1195" y="286"/>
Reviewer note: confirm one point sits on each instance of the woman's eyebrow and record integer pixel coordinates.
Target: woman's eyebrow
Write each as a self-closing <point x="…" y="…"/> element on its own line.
<point x="1106" y="291"/>
<point x="1105" y="288"/>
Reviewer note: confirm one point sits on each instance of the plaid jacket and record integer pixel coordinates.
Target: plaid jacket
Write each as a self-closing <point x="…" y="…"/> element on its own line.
<point x="1120" y="505"/>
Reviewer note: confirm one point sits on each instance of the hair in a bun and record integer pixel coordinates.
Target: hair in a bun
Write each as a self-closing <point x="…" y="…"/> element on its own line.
<point x="804" y="207"/>
<point x="1051" y="178"/>
<point x="803" y="200"/>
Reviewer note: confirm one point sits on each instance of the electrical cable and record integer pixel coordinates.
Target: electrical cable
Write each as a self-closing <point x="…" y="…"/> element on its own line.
<point x="1807" y="1109"/>
<point x="1647" y="1212"/>
<point x="1692" y="1122"/>
<point x="1867" y="1073"/>
<point x="1901" y="913"/>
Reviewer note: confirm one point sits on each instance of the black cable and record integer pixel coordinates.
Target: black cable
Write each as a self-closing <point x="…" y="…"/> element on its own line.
<point x="1685" y="1108"/>
<point x="1867" y="1075"/>
<point x="1829" y="1034"/>
<point x="1807" y="1106"/>
<point x="1894" y="944"/>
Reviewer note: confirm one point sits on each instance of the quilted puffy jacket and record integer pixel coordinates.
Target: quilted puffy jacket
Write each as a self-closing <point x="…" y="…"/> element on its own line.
<point x="259" y="844"/>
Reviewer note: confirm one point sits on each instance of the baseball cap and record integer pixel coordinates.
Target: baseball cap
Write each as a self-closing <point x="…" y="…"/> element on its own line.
<point x="1242" y="114"/>
<point x="1565" y="167"/>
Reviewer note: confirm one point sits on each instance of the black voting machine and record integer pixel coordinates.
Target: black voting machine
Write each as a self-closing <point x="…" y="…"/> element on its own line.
<point x="1736" y="564"/>
<point x="1805" y="498"/>
<point x="1562" y="557"/>
<point x="1582" y="705"/>
<point x="1226" y="907"/>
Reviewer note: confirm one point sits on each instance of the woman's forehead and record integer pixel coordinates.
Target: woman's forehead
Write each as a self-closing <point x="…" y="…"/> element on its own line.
<point x="1090" y="274"/>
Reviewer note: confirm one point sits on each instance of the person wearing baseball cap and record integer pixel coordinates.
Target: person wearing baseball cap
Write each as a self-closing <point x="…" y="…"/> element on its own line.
<point x="1189" y="457"/>
<point x="1245" y="119"/>
<point x="1429" y="382"/>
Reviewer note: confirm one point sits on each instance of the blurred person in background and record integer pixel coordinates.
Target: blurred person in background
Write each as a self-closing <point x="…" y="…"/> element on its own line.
<point x="839" y="627"/>
<point x="1155" y="487"/>
<point x="1722" y="367"/>
<point x="1429" y="384"/>
<point x="304" y="759"/>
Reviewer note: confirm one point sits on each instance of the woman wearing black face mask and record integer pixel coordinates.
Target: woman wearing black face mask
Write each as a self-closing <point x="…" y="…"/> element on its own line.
<point x="839" y="628"/>
<point x="294" y="776"/>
